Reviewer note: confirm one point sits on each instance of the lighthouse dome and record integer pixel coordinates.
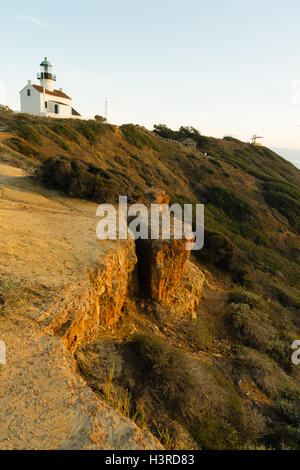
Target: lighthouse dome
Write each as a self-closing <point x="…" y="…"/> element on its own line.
<point x="45" y="63"/>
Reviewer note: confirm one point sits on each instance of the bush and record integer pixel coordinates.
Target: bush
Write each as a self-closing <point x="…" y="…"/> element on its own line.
<point x="265" y="372"/>
<point x="288" y="297"/>
<point x="242" y="296"/>
<point x="219" y="250"/>
<point x="233" y="205"/>
<point x="66" y="131"/>
<point x="100" y="118"/>
<point x="137" y="137"/>
<point x="251" y="326"/>
<point x="88" y="133"/>
<point x="280" y="350"/>
<point x="22" y="147"/>
<point x="192" y="392"/>
<point x="282" y="187"/>
<point x="286" y="434"/>
<point x="80" y="179"/>
<point x="287" y="437"/>
<point x="288" y="407"/>
<point x="28" y="133"/>
<point x="215" y="433"/>
<point x="287" y="206"/>
<point x="216" y="163"/>
<point x="92" y="130"/>
<point x="5" y="110"/>
<point x="167" y="369"/>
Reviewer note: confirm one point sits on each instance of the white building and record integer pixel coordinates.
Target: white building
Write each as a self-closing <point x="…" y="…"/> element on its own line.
<point x="43" y="100"/>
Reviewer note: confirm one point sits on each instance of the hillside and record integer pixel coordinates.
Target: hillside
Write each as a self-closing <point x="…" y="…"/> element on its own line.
<point x="235" y="351"/>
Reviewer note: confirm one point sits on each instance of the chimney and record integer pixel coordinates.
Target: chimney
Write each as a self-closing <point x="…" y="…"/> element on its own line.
<point x="29" y="82"/>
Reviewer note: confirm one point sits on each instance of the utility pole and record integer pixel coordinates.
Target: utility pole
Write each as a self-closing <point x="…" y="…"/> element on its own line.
<point x="106" y="108"/>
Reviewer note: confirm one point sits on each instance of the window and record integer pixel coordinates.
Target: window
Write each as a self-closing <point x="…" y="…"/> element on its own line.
<point x="46" y="104"/>
<point x="56" y="109"/>
<point x="28" y="92"/>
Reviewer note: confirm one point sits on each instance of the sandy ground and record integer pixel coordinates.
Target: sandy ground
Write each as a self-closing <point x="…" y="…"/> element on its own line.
<point x="48" y="241"/>
<point x="44" y="235"/>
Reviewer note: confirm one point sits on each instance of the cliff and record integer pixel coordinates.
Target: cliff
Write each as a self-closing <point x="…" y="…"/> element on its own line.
<point x="57" y="278"/>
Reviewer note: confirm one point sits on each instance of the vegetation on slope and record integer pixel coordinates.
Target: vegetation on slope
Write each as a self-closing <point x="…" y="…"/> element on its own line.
<point x="252" y="220"/>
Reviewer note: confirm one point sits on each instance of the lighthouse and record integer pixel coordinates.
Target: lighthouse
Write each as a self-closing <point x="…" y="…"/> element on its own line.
<point x="46" y="76"/>
<point x="43" y="99"/>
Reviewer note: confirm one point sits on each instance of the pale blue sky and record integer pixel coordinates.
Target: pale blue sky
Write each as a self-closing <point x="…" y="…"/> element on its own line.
<point x="223" y="66"/>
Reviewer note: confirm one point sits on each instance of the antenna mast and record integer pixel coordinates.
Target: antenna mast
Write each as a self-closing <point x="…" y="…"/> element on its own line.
<point x="106" y="108"/>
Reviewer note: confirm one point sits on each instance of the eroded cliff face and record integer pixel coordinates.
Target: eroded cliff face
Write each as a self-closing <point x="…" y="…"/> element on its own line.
<point x="165" y="273"/>
<point x="161" y="264"/>
<point x="97" y="300"/>
<point x="184" y="299"/>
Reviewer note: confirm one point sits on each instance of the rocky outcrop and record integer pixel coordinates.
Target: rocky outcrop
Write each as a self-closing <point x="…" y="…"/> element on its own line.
<point x="165" y="272"/>
<point x="184" y="300"/>
<point x="156" y="196"/>
<point x="97" y="300"/>
<point x="161" y="264"/>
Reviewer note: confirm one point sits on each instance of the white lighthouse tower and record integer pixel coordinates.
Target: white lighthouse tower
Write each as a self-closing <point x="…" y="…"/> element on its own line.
<point x="46" y="76"/>
<point x="43" y="99"/>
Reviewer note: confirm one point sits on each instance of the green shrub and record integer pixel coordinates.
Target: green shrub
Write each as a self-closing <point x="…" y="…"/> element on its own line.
<point x="287" y="206"/>
<point x="28" y="133"/>
<point x="269" y="259"/>
<point x="251" y="325"/>
<point x="286" y="434"/>
<point x="22" y="147"/>
<point x="24" y="117"/>
<point x="101" y="119"/>
<point x="219" y="250"/>
<point x="167" y="368"/>
<point x="280" y="350"/>
<point x="233" y="205"/>
<point x="242" y="296"/>
<point x="5" y="110"/>
<point x="282" y="187"/>
<point x="138" y="137"/>
<point x="64" y="130"/>
<point x="264" y="372"/>
<point x="92" y="130"/>
<point x="215" y="433"/>
<point x="216" y="163"/>
<point x="287" y="296"/>
<point x="287" y="437"/>
<point x="288" y="407"/>
<point x="54" y="137"/>
<point x="88" y="133"/>
<point x="60" y="142"/>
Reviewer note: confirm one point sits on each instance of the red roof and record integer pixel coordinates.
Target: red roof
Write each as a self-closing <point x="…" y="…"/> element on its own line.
<point x="56" y="93"/>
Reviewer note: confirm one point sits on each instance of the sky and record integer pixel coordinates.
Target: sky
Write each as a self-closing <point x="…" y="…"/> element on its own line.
<point x="226" y="67"/>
